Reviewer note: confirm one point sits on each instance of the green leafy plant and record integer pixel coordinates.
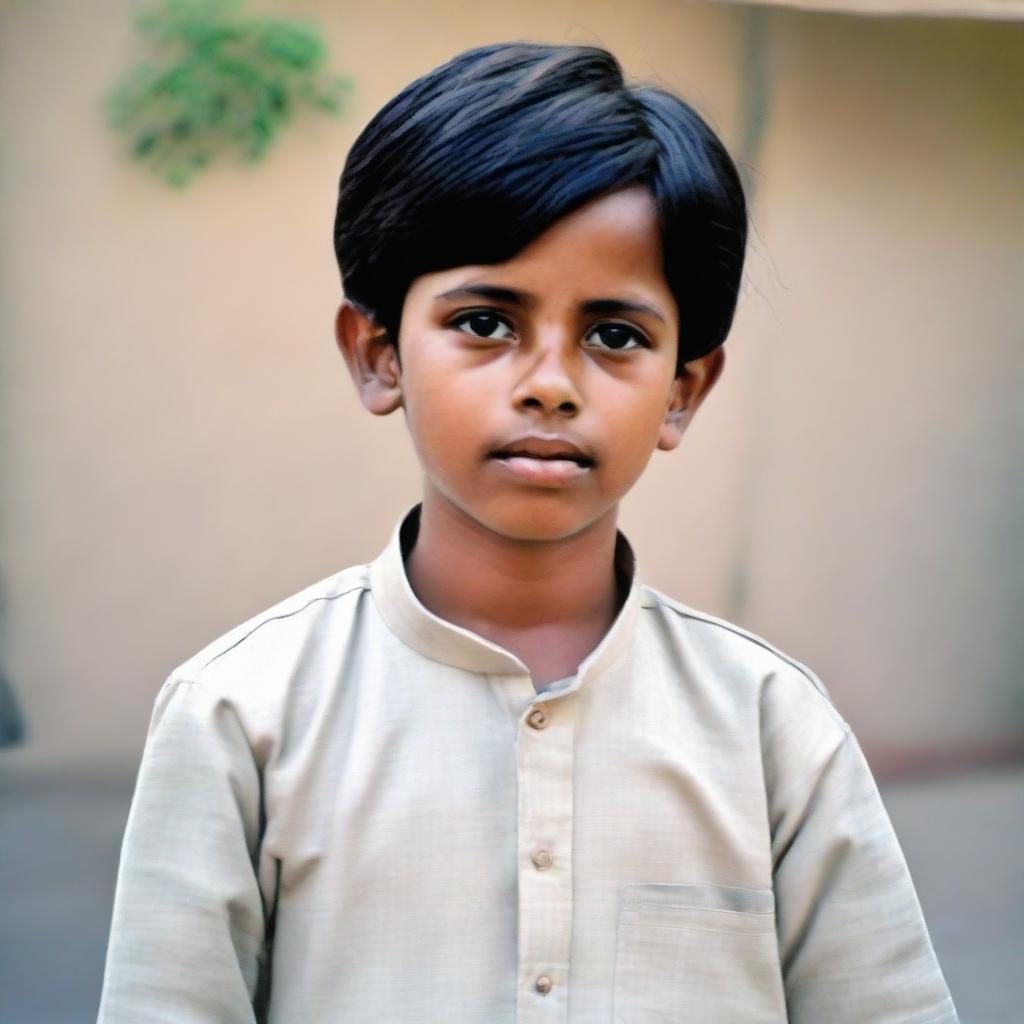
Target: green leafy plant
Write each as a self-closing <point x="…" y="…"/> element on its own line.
<point x="219" y="81"/>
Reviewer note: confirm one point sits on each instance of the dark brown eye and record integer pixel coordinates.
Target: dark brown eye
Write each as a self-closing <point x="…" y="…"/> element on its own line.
<point x="483" y="325"/>
<point x="618" y="337"/>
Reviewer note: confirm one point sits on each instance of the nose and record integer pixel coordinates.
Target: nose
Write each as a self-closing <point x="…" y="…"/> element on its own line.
<point x="548" y="385"/>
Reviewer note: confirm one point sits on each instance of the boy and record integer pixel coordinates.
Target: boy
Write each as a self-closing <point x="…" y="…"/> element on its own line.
<point x="491" y="777"/>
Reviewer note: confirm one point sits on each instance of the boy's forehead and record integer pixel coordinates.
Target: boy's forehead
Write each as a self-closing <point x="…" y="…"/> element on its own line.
<point x="622" y="219"/>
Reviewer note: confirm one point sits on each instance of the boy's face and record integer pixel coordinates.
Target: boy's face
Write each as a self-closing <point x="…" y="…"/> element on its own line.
<point x="571" y="342"/>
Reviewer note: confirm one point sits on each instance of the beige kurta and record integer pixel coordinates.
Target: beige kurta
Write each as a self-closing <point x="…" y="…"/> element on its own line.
<point x="350" y="810"/>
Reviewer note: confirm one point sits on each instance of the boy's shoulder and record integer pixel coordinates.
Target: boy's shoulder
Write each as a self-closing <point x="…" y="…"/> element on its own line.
<point x="733" y="655"/>
<point x="277" y="631"/>
<point x="267" y="648"/>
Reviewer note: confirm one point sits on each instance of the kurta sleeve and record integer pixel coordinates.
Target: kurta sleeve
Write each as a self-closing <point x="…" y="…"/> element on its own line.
<point x="188" y="921"/>
<point x="853" y="943"/>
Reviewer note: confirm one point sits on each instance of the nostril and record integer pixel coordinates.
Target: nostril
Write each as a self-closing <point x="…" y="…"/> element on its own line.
<point x="566" y="409"/>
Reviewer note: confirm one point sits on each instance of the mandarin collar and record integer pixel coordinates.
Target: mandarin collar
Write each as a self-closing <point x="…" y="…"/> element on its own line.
<point x="443" y="641"/>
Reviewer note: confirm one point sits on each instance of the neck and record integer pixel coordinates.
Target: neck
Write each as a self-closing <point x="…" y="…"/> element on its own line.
<point x="500" y="587"/>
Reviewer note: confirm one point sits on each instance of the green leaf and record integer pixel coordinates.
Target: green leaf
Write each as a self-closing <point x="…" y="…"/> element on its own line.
<point x="145" y="144"/>
<point x="217" y="81"/>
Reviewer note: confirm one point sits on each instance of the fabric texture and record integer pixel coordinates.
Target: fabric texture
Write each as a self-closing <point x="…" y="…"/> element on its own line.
<point x="349" y="809"/>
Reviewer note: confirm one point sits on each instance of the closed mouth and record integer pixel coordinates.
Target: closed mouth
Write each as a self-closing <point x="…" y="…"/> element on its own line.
<point x="580" y="460"/>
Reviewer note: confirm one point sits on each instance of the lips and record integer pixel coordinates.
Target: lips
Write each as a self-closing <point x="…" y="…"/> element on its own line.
<point x="546" y="447"/>
<point x="544" y="460"/>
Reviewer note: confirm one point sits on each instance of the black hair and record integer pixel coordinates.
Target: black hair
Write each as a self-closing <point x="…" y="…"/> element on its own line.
<point x="477" y="158"/>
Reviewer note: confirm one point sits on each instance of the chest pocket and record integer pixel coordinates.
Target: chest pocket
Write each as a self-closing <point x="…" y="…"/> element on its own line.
<point x="701" y="953"/>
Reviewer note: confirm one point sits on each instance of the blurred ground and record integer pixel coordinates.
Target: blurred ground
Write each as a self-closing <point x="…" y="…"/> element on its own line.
<point x="59" y="841"/>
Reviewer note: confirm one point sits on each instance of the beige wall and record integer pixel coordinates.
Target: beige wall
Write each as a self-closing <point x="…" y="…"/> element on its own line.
<point x="181" y="446"/>
<point x="886" y="506"/>
<point x="999" y="9"/>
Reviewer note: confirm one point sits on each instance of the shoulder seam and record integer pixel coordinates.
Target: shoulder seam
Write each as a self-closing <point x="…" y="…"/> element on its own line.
<point x="275" y="618"/>
<point x="689" y="613"/>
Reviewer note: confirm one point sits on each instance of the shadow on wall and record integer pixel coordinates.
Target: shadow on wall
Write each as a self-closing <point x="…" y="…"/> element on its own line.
<point x="12" y="725"/>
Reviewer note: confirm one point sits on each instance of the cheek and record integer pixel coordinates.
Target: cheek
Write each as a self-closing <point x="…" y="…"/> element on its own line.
<point x="633" y="428"/>
<point x="440" y="416"/>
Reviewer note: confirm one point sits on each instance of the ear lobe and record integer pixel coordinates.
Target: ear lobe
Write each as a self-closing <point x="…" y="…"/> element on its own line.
<point x="671" y="431"/>
<point x="688" y="391"/>
<point x="371" y="359"/>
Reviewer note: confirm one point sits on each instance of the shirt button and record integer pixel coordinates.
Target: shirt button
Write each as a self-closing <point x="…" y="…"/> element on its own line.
<point x="538" y="718"/>
<point x="543" y="984"/>
<point x="543" y="859"/>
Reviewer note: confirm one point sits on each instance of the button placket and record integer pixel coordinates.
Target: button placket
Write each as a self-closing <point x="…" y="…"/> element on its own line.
<point x="544" y="755"/>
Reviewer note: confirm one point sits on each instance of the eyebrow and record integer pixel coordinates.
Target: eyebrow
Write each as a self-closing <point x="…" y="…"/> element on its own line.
<point x="512" y="297"/>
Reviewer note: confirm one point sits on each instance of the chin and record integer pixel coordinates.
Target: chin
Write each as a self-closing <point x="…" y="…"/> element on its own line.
<point x="535" y="517"/>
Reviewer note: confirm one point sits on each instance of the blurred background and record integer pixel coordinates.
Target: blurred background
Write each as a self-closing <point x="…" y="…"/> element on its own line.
<point x="182" y="447"/>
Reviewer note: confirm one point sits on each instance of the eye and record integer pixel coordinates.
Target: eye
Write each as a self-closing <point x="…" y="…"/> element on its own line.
<point x="483" y="324"/>
<point x="617" y="337"/>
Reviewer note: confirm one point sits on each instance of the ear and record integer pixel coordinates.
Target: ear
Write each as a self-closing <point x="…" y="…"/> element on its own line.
<point x="371" y="359"/>
<point x="689" y="389"/>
